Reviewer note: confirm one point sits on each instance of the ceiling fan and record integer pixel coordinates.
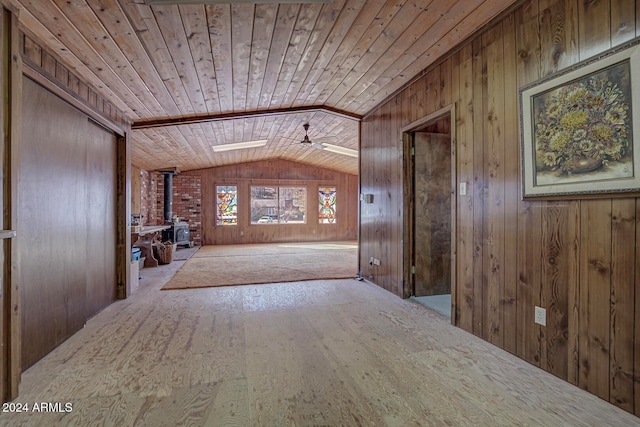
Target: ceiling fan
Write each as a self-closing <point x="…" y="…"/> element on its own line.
<point x="325" y="143"/>
<point x="317" y="143"/>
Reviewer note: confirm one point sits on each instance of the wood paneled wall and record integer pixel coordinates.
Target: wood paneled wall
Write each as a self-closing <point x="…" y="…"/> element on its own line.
<point x="278" y="172"/>
<point x="576" y="258"/>
<point x="136" y="190"/>
<point x="52" y="68"/>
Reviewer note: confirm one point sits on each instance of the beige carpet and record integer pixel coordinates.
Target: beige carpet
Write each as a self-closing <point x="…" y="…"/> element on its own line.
<point x="225" y="265"/>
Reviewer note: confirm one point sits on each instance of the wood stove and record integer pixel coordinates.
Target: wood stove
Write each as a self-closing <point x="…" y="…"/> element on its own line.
<point x="178" y="233"/>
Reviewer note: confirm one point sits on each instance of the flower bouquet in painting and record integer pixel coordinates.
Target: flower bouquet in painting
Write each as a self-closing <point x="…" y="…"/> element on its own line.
<point x="582" y="130"/>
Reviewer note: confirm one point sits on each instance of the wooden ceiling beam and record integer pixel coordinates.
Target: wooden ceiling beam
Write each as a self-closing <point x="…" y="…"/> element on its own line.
<point x="204" y="118"/>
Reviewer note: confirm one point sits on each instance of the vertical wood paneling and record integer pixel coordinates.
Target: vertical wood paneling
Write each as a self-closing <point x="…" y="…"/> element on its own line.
<point x="453" y="92"/>
<point x="386" y="215"/>
<point x="575" y="258"/>
<point x="122" y="168"/>
<point x="623" y="21"/>
<point x="277" y="172"/>
<point x="445" y="83"/>
<point x="396" y="199"/>
<point x="550" y="21"/>
<point x="558" y="35"/>
<point x="364" y="223"/>
<point x="623" y="255"/>
<point x="511" y="191"/>
<point x="465" y="207"/>
<point x="528" y="292"/>
<point x="38" y="58"/>
<point x="494" y="179"/>
<point x="594" y="31"/>
<point x="136" y="192"/>
<point x="573" y="292"/>
<point x="595" y="296"/>
<point x="478" y="188"/>
<point x="567" y="40"/>
<point x="637" y="18"/>
<point x="529" y="215"/>
<point x="408" y="210"/>
<point x="421" y="92"/>
<point x="559" y="231"/>
<point x="375" y="188"/>
<point x="432" y="81"/>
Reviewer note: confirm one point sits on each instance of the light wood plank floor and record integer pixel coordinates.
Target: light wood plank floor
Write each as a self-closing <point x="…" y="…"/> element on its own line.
<point x="334" y="353"/>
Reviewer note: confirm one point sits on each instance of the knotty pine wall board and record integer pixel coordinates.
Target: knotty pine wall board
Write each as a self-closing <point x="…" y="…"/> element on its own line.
<point x="576" y="258"/>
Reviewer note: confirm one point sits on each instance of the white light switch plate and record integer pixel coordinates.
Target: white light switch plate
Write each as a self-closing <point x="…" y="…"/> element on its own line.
<point x="540" y="316"/>
<point x="463" y="189"/>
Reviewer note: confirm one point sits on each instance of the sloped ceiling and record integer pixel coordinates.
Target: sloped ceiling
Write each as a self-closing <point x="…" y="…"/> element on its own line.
<point x="159" y="63"/>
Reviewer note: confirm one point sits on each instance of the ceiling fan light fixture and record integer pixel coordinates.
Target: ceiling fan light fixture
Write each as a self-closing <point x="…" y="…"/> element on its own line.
<point x="179" y="2"/>
<point x="340" y="150"/>
<point x="306" y="140"/>
<point x="239" y="145"/>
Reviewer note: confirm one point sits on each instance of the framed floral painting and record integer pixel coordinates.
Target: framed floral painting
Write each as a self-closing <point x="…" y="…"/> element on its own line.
<point x="581" y="128"/>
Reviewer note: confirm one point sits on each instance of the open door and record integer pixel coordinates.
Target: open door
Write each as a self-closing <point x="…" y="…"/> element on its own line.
<point x="430" y="212"/>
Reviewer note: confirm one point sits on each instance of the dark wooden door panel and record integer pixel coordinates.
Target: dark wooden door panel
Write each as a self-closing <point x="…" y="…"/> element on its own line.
<point x="432" y="228"/>
<point x="53" y="245"/>
<point x="67" y="221"/>
<point x="100" y="214"/>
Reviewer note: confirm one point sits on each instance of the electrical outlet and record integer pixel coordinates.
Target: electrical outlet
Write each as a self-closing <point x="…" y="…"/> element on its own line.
<point x="540" y="316"/>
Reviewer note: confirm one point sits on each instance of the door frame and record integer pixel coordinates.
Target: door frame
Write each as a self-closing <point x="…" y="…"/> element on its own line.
<point x="408" y="208"/>
<point x="10" y="129"/>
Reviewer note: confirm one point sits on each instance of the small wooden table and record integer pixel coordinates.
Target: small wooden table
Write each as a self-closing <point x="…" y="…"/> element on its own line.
<point x="144" y="239"/>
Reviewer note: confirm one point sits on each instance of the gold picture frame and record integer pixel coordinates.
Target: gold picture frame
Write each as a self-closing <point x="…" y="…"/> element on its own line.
<point x="581" y="129"/>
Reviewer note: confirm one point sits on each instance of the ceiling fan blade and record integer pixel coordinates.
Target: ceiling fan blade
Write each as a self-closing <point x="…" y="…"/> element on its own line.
<point x="325" y="139"/>
<point x="341" y="150"/>
<point x="318" y="146"/>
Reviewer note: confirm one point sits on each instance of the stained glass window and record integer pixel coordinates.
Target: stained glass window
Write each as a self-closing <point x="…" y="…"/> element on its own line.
<point x="227" y="203"/>
<point x="278" y="205"/>
<point x="327" y="205"/>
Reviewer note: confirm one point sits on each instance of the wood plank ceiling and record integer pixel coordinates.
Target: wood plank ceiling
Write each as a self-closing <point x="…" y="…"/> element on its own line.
<point x="160" y="62"/>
